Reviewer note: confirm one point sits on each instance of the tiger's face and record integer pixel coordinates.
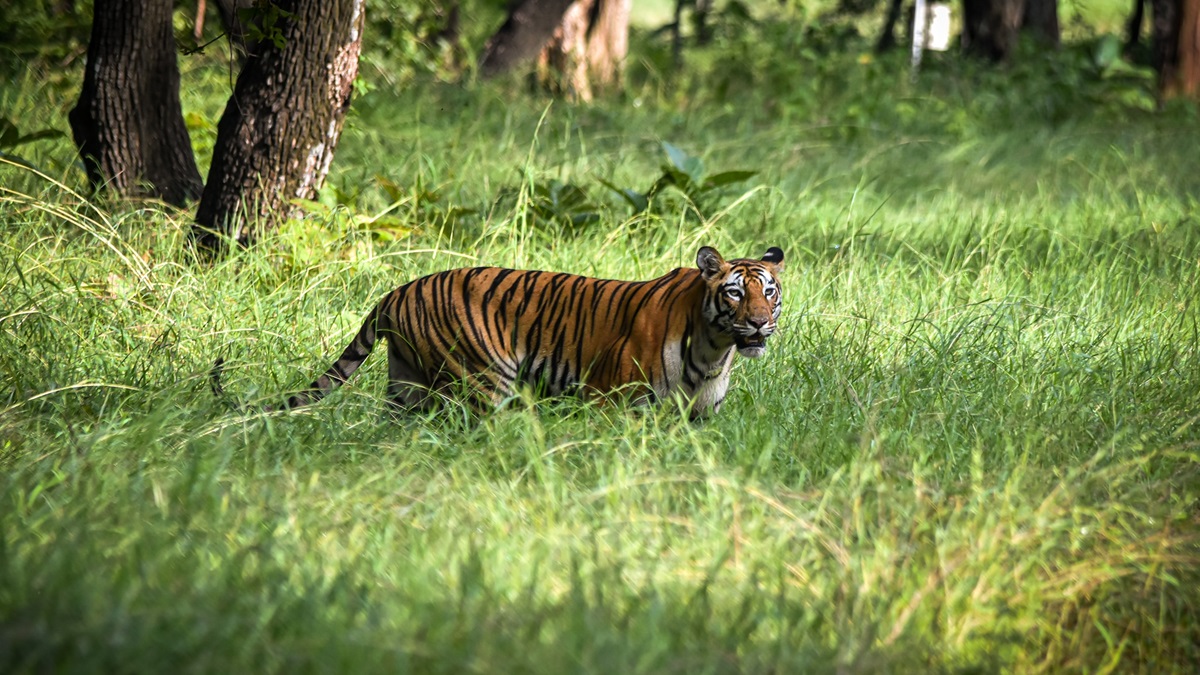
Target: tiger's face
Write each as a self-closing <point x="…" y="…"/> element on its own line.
<point x="743" y="297"/>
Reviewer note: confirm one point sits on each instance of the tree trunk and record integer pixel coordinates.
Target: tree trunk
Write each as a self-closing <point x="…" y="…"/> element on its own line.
<point x="990" y="27"/>
<point x="1041" y="19"/>
<point x="887" y="33"/>
<point x="128" y="124"/>
<point x="1133" y="28"/>
<point x="587" y="49"/>
<point x="562" y="64"/>
<point x="198" y="27"/>
<point x="276" y="139"/>
<point x="1180" y="71"/>
<point x="703" y="33"/>
<point x="608" y="44"/>
<point x="1164" y="43"/>
<point x="677" y="34"/>
<point x="529" y="26"/>
<point x="1189" y="50"/>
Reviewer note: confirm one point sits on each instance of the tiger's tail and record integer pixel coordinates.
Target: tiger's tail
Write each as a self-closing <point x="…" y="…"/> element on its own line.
<point x="335" y="376"/>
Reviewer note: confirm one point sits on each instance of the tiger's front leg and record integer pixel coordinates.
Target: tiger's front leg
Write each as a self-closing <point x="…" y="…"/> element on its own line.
<point x="618" y="373"/>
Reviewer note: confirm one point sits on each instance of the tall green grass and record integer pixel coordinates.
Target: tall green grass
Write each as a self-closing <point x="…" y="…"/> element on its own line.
<point x="972" y="447"/>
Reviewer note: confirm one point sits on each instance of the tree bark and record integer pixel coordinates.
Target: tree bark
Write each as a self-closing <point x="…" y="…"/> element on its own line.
<point x="277" y="137"/>
<point x="990" y="27"/>
<point x="1189" y="50"/>
<point x="887" y="33"/>
<point x="608" y="44"/>
<point x="198" y="28"/>
<point x="701" y="11"/>
<point x="587" y="49"/>
<point x="1179" y="74"/>
<point x="529" y="26"/>
<point x="1041" y="19"/>
<point x="562" y="63"/>
<point x="1164" y="35"/>
<point x="128" y="123"/>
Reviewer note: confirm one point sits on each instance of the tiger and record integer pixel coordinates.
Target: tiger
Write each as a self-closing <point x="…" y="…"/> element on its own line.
<point x="494" y="330"/>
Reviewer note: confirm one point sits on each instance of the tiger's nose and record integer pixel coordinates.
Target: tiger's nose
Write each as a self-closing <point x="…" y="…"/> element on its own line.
<point x="756" y="323"/>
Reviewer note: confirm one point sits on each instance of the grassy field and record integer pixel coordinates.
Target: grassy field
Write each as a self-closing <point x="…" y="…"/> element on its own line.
<point x="972" y="447"/>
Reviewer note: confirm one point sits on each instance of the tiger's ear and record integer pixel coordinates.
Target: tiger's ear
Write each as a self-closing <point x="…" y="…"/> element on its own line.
<point x="710" y="262"/>
<point x="774" y="256"/>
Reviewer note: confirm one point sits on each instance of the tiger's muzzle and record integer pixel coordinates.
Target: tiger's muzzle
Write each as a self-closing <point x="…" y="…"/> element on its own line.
<point x="750" y="337"/>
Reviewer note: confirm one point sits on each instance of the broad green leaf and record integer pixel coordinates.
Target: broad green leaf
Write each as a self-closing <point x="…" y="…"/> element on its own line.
<point x="1108" y="51"/>
<point x="635" y="199"/>
<point x="692" y="166"/>
<point x="8" y="134"/>
<point x="310" y="206"/>
<point x="391" y="188"/>
<point x="728" y="178"/>
<point x="674" y="176"/>
<point x="39" y="135"/>
<point x="581" y="219"/>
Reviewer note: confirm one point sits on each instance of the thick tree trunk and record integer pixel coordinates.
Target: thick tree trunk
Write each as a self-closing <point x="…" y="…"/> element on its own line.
<point x="1189" y="50"/>
<point x="587" y="49"/>
<point x="562" y="64"/>
<point x="990" y="27"/>
<point x="1179" y="74"/>
<point x="276" y="139"/>
<point x="1164" y="34"/>
<point x="608" y="43"/>
<point x="128" y="124"/>
<point x="529" y="26"/>
<point x="1041" y="19"/>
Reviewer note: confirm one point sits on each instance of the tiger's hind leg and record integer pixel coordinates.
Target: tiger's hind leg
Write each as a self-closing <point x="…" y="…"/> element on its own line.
<point x="407" y="389"/>
<point x="481" y="393"/>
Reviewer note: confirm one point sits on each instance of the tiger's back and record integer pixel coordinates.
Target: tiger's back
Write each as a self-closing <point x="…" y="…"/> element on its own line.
<point x="493" y="329"/>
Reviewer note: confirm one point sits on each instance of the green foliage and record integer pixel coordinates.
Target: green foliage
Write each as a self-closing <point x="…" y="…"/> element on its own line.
<point x="12" y="138"/>
<point x="264" y="21"/>
<point x="414" y="38"/>
<point x="565" y="202"/>
<point x="421" y="204"/>
<point x="826" y="73"/>
<point x="1127" y="84"/>
<point x="685" y="175"/>
<point x="565" y="208"/>
<point x="688" y="175"/>
<point x="48" y="35"/>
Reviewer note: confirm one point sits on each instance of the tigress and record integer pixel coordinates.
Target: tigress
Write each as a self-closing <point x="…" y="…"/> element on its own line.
<point x="493" y="329"/>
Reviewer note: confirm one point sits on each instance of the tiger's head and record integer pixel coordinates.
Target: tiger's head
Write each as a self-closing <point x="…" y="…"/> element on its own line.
<point x="743" y="297"/>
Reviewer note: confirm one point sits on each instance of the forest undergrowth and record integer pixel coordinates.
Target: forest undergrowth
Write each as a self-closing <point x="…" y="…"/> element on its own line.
<point x="971" y="447"/>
